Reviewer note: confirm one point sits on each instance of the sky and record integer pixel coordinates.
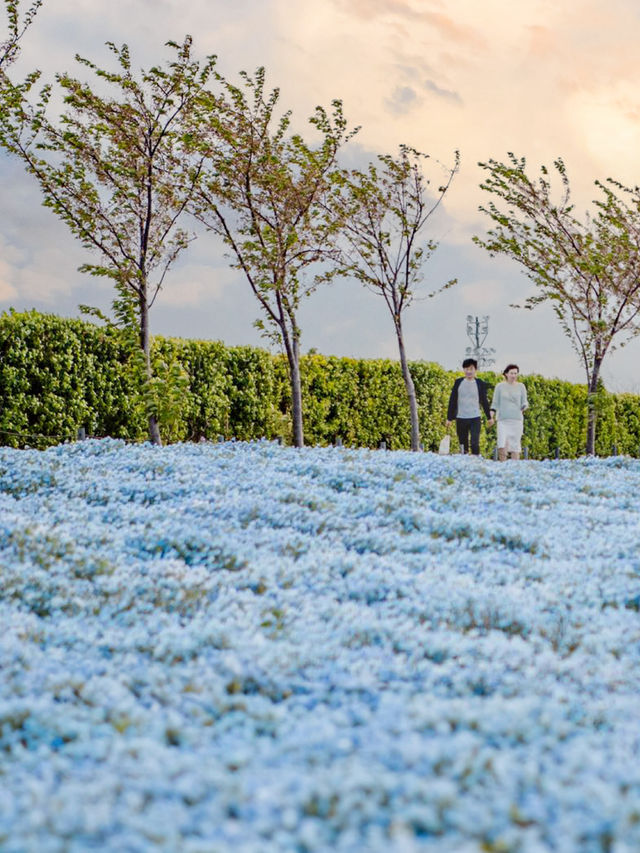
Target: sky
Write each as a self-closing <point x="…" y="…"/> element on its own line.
<point x="539" y="78"/>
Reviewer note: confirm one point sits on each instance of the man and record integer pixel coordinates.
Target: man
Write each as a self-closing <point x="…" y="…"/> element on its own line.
<point x="468" y="396"/>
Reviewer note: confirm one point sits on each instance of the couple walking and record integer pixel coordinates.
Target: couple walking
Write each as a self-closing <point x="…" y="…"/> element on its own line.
<point x="469" y="395"/>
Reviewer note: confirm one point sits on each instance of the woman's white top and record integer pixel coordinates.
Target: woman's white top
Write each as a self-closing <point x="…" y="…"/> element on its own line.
<point x="509" y="400"/>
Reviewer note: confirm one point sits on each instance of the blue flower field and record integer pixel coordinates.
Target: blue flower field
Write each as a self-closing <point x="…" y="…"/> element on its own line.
<point x="250" y="648"/>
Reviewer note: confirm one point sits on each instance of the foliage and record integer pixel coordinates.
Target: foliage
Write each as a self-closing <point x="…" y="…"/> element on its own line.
<point x="204" y="406"/>
<point x="168" y="393"/>
<point x="16" y="28"/>
<point x="627" y="424"/>
<point x="356" y="400"/>
<point x="261" y="192"/>
<point x="115" y="170"/>
<point x="555" y="419"/>
<point x="57" y="375"/>
<point x="259" y="403"/>
<point x="383" y="213"/>
<point x="588" y="269"/>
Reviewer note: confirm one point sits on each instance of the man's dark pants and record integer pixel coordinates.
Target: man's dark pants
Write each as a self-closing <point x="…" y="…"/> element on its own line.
<point x="469" y="428"/>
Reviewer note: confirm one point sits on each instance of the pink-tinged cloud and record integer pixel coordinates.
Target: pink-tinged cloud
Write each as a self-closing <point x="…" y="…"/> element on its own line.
<point x="540" y="78"/>
<point x="542" y="41"/>
<point x="444" y="24"/>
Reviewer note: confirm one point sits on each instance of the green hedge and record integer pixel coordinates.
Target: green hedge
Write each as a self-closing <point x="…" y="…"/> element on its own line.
<point x="57" y="375"/>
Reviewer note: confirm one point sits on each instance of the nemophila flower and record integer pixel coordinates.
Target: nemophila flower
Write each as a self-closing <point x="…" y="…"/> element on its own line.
<point x="243" y="646"/>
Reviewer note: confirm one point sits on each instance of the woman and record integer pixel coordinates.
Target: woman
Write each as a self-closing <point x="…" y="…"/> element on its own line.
<point x="508" y="404"/>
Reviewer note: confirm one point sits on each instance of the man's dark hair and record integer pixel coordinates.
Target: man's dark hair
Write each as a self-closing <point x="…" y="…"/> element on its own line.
<point x="470" y="362"/>
<point x="510" y="367"/>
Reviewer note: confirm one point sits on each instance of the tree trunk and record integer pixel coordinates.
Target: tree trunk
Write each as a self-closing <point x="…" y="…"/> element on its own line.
<point x="296" y="393"/>
<point x="592" y="414"/>
<point x="292" y="348"/>
<point x="145" y="345"/>
<point x="411" y="388"/>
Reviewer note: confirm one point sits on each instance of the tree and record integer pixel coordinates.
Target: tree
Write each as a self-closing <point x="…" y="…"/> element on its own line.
<point x="15" y="30"/>
<point x="384" y="211"/>
<point x="588" y="269"/>
<point x="115" y="169"/>
<point x="262" y="193"/>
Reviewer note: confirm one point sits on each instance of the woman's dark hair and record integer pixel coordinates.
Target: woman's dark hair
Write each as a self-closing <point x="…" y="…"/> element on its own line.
<point x="510" y="367"/>
<point x="470" y="362"/>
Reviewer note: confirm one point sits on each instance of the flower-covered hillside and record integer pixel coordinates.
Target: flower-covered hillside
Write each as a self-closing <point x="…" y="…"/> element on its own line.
<point x="243" y="647"/>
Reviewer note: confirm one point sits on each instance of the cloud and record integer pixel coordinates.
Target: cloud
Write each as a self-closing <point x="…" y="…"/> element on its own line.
<point x="9" y="258"/>
<point x="540" y="79"/>
<point x="543" y="42"/>
<point x="404" y="98"/>
<point x="447" y="94"/>
<point x="47" y="276"/>
<point x="501" y="77"/>
<point x="192" y="284"/>
<point x="7" y="291"/>
<point x="398" y="11"/>
<point x="483" y="294"/>
<point x="242" y="33"/>
<point x="607" y="118"/>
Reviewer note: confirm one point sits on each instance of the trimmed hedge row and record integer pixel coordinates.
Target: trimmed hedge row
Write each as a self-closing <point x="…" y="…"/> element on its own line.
<point x="57" y="375"/>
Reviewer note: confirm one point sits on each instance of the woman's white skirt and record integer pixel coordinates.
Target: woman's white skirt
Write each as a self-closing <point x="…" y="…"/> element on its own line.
<point x="509" y="435"/>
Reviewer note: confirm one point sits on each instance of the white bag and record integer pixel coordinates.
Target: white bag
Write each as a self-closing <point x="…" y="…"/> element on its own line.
<point x="445" y="445"/>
